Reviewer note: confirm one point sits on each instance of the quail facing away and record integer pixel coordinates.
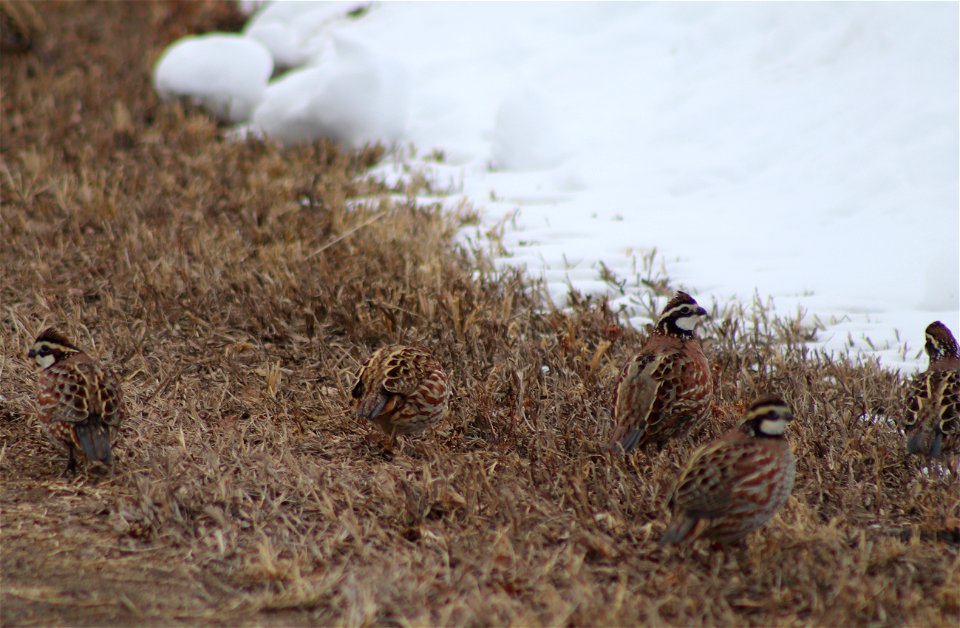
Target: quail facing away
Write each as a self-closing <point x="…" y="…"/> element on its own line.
<point x="402" y="389"/>
<point x="735" y="484"/>
<point x="667" y="386"/>
<point x="79" y="403"/>
<point x="932" y="423"/>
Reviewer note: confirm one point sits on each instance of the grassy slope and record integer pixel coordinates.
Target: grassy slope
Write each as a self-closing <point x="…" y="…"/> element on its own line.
<point x="244" y="489"/>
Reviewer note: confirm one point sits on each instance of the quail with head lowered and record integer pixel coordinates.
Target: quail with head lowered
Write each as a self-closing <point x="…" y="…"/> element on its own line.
<point x="79" y="403"/>
<point x="402" y="389"/>
<point x="932" y="422"/>
<point x="667" y="386"/>
<point x="735" y="484"/>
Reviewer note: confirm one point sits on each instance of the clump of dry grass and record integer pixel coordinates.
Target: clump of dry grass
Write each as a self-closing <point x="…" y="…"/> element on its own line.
<point x="244" y="489"/>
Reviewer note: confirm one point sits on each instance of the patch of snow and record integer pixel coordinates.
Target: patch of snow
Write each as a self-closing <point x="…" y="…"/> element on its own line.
<point x="355" y="96"/>
<point x="807" y="153"/>
<point x="527" y="135"/>
<point x="942" y="282"/>
<point x="226" y="74"/>
<point x="296" y="32"/>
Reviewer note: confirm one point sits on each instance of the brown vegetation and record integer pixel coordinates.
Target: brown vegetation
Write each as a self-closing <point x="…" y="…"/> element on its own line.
<point x="245" y="490"/>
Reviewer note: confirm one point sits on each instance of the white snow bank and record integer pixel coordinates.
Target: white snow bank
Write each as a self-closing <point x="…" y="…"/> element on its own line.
<point x="527" y="135"/>
<point x="354" y="96"/>
<point x="296" y="32"/>
<point x="804" y="152"/>
<point x="226" y="74"/>
<point x="340" y="88"/>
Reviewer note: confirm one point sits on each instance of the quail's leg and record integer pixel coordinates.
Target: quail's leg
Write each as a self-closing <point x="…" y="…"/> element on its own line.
<point x="71" y="463"/>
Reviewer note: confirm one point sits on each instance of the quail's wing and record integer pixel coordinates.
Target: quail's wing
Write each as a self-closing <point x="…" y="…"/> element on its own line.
<point x="111" y="398"/>
<point x="405" y="368"/>
<point x="950" y="403"/>
<point x="74" y="386"/>
<point x="919" y="394"/>
<point x="637" y="391"/>
<point x="668" y="372"/>
<point x="706" y="486"/>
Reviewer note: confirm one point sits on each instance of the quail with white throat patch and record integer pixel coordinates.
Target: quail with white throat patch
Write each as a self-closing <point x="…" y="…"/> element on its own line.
<point x="667" y="386"/>
<point x="735" y="484"/>
<point x="79" y="403"/>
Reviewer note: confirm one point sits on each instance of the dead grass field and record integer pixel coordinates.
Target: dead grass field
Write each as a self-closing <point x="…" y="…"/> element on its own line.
<point x="245" y="492"/>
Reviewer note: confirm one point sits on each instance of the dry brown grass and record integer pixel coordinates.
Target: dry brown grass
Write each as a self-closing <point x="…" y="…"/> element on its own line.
<point x="245" y="491"/>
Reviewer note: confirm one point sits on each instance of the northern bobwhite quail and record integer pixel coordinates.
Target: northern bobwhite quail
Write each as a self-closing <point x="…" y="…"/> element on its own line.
<point x="402" y="389"/>
<point x="735" y="484"/>
<point x="667" y="386"/>
<point x="932" y="423"/>
<point x="79" y="403"/>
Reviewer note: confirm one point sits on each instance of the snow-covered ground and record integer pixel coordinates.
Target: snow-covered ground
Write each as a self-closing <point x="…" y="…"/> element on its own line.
<point x="804" y="152"/>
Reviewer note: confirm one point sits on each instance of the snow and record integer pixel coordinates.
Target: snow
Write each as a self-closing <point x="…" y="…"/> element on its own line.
<point x="227" y="74"/>
<point x="527" y="136"/>
<point x="295" y="32"/>
<point x="355" y="96"/>
<point x="805" y="153"/>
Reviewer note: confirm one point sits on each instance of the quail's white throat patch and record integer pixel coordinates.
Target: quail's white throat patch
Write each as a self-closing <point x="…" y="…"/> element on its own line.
<point x="688" y="323"/>
<point x="44" y="360"/>
<point x="773" y="427"/>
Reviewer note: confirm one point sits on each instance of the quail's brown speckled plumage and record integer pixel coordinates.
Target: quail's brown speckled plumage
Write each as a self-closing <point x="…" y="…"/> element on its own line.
<point x="735" y="484"/>
<point x="932" y="423"/>
<point x="402" y="389"/>
<point x="79" y="403"/>
<point x="666" y="387"/>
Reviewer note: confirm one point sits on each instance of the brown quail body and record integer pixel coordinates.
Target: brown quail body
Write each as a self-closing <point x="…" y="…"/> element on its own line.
<point x="667" y="386"/>
<point x="735" y="484"/>
<point x="79" y="403"/>
<point x="402" y="389"/>
<point x="932" y="423"/>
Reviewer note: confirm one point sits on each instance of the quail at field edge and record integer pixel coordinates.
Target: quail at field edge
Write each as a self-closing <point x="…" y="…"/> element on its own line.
<point x="79" y="403"/>
<point x="735" y="484"/>
<point x="667" y="386"/>
<point x="402" y="389"/>
<point x="932" y="423"/>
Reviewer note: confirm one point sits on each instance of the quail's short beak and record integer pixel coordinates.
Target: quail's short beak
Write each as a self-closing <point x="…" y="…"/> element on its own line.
<point x="702" y="312"/>
<point x="32" y="353"/>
